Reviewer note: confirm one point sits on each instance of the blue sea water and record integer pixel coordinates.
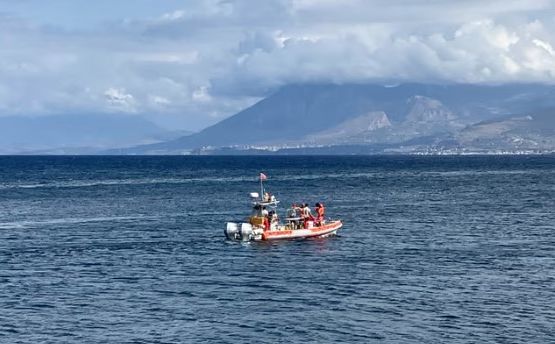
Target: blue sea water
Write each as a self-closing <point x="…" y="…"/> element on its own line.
<point x="131" y="250"/>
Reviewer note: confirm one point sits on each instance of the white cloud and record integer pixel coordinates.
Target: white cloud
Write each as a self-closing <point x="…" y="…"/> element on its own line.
<point x="120" y="100"/>
<point x="211" y="58"/>
<point x="158" y="100"/>
<point x="544" y="45"/>
<point x="201" y="94"/>
<point x="173" y="15"/>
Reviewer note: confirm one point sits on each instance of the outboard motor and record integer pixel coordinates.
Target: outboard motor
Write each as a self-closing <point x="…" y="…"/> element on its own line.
<point x="246" y="232"/>
<point x="232" y="231"/>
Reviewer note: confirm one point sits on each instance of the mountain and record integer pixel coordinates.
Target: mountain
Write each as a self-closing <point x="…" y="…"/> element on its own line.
<point x="535" y="131"/>
<point x="425" y="109"/>
<point x="359" y="114"/>
<point x="349" y="129"/>
<point x="76" y="134"/>
<point x="425" y="117"/>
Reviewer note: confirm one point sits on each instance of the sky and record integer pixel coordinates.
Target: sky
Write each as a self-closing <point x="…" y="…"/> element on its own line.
<point x="188" y="64"/>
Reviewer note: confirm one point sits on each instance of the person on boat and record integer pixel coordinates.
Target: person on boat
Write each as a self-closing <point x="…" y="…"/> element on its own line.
<point x="307" y="215"/>
<point x="294" y="214"/>
<point x="263" y="215"/>
<point x="266" y="215"/>
<point x="291" y="212"/>
<point x="300" y="211"/>
<point x="267" y="197"/>
<point x="266" y="223"/>
<point x="320" y="213"/>
<point x="273" y="219"/>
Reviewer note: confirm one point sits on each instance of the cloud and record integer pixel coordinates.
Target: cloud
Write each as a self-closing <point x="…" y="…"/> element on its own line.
<point x="158" y="100"/>
<point x="201" y="94"/>
<point x="201" y="62"/>
<point x="545" y="46"/>
<point x="118" y="99"/>
<point x="482" y="51"/>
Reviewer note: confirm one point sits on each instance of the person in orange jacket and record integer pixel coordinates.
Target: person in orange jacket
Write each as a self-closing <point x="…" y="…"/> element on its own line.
<point x="266" y="223"/>
<point x="320" y="212"/>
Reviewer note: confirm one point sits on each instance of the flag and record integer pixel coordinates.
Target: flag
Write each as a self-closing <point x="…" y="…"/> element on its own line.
<point x="263" y="176"/>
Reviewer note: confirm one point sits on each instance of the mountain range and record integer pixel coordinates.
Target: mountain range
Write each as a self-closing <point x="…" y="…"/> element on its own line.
<point x="77" y="133"/>
<point x="319" y="119"/>
<point x="360" y="118"/>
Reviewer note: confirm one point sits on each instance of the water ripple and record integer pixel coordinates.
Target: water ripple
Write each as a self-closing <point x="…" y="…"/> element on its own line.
<point x="131" y="250"/>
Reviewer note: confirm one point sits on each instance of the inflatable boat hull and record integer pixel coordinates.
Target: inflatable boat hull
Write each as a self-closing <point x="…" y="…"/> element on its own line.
<point x="245" y="232"/>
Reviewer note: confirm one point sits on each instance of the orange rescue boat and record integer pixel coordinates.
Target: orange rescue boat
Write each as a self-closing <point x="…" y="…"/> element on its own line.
<point x="265" y="225"/>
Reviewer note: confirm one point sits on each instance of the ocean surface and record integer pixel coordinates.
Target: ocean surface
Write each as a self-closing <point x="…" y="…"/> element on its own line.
<point x="132" y="250"/>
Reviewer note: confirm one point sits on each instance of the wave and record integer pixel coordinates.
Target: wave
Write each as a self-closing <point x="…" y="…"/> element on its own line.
<point x="233" y="179"/>
<point x="71" y="220"/>
<point x="488" y="172"/>
<point x="147" y="181"/>
<point x="116" y="182"/>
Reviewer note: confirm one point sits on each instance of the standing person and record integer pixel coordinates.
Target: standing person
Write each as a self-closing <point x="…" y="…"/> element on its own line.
<point x="266" y="216"/>
<point x="292" y="216"/>
<point x="292" y="212"/>
<point x="299" y="214"/>
<point x="320" y="212"/>
<point x="299" y="210"/>
<point x="307" y="215"/>
<point x="274" y="219"/>
<point x="266" y="224"/>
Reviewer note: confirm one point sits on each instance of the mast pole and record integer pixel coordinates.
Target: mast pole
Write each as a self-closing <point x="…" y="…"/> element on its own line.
<point x="261" y="191"/>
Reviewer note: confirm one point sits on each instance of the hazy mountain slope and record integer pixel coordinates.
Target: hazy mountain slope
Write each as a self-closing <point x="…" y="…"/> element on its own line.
<point x="22" y="134"/>
<point x="424" y="117"/>
<point x="305" y="111"/>
<point x="349" y="129"/>
<point x="424" y="109"/>
<point x="533" y="131"/>
<point x="290" y="114"/>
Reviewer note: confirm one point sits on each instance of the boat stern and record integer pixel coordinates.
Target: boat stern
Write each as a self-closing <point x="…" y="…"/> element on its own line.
<point x="242" y="232"/>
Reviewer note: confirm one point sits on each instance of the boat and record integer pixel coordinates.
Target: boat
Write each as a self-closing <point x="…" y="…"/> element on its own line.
<point x="267" y="227"/>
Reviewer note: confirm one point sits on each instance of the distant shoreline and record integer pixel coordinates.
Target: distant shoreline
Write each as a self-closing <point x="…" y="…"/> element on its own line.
<point x="389" y="154"/>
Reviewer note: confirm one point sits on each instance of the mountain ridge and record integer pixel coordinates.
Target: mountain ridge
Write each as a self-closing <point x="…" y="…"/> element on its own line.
<point x="318" y="114"/>
<point x="76" y="133"/>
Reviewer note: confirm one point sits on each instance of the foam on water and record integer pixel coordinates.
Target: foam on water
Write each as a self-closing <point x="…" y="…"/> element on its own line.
<point x="240" y="179"/>
<point x="64" y="221"/>
<point x="117" y="182"/>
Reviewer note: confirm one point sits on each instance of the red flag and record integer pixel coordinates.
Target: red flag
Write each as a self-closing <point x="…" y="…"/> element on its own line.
<point x="263" y="176"/>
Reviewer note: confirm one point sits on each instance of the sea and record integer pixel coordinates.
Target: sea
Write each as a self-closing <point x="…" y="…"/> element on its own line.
<point x="434" y="249"/>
